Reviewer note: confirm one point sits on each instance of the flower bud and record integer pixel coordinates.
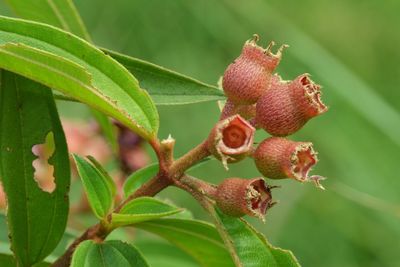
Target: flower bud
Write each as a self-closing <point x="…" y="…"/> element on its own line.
<point x="287" y="106"/>
<point x="248" y="77"/>
<point x="237" y="197"/>
<point x="231" y="139"/>
<point x="279" y="158"/>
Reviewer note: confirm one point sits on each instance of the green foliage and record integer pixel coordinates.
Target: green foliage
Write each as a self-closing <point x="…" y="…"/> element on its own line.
<point x="76" y="68"/>
<point x="28" y="118"/>
<point x="107" y="254"/>
<point x="142" y="209"/>
<point x="250" y="248"/>
<point x="198" y="239"/>
<point x="167" y="87"/>
<point x="98" y="187"/>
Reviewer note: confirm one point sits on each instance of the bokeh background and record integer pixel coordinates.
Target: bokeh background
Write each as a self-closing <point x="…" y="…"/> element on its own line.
<point x="350" y="47"/>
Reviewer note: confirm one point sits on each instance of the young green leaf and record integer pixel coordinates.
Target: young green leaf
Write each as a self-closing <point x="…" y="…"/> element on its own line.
<point x="165" y="86"/>
<point x="106" y="176"/>
<point x="72" y="66"/>
<point x="97" y="187"/>
<point x="249" y="247"/>
<point x="139" y="177"/>
<point x="107" y="254"/>
<point x="30" y="131"/>
<point x="198" y="239"/>
<point x="142" y="209"/>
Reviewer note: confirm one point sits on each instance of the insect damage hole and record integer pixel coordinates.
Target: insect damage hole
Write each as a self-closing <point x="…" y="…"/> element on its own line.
<point x="44" y="172"/>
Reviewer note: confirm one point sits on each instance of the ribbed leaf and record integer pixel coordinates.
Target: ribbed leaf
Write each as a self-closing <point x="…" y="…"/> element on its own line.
<point x="98" y="187"/>
<point x="108" y="254"/>
<point x="249" y="248"/>
<point x="76" y="68"/>
<point x="165" y="86"/>
<point x="28" y="117"/>
<point x="62" y="14"/>
<point x="198" y="239"/>
<point x="142" y="209"/>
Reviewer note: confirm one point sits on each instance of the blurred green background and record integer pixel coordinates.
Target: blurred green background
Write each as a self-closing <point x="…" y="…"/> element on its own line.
<point x="350" y="47"/>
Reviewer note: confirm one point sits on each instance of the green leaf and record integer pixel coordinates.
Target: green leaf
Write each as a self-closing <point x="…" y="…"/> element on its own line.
<point x="106" y="176"/>
<point x="165" y="86"/>
<point x="249" y="247"/>
<point x="198" y="239"/>
<point x="139" y="177"/>
<point x="110" y="253"/>
<point x="72" y="66"/>
<point x="28" y="117"/>
<point x="63" y="14"/>
<point x="97" y="187"/>
<point x="9" y="261"/>
<point x="59" y="13"/>
<point x="159" y="253"/>
<point x="142" y="209"/>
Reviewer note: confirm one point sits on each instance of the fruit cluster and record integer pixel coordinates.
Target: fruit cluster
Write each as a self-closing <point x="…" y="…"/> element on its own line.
<point x="259" y="98"/>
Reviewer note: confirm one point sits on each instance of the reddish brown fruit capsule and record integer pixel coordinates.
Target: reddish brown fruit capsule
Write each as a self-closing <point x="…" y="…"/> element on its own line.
<point x="248" y="77"/>
<point x="287" y="106"/>
<point x="279" y="158"/>
<point x="237" y="197"/>
<point x="245" y="111"/>
<point x="231" y="139"/>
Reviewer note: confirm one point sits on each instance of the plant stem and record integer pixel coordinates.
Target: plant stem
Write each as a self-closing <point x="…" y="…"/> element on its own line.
<point x="182" y="164"/>
<point x="169" y="173"/>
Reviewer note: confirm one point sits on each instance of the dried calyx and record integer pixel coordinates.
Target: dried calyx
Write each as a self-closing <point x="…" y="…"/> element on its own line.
<point x="238" y="197"/>
<point x="279" y="158"/>
<point x="231" y="139"/>
<point x="248" y="77"/>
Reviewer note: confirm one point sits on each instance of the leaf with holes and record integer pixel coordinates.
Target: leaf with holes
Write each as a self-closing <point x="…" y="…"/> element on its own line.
<point x="198" y="239"/>
<point x="64" y="15"/>
<point x="31" y="136"/>
<point x="107" y="254"/>
<point x="99" y="187"/>
<point x="165" y="86"/>
<point x="142" y="209"/>
<point x="72" y="66"/>
<point x="250" y="248"/>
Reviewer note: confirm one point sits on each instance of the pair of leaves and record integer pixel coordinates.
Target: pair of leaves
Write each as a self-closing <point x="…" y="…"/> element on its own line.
<point x="100" y="190"/>
<point x="29" y="117"/>
<point x="72" y="66"/>
<point x="110" y="253"/>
